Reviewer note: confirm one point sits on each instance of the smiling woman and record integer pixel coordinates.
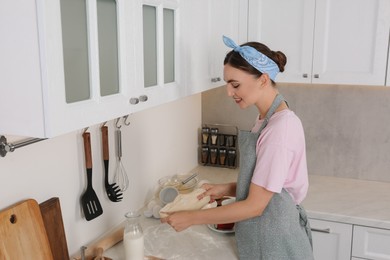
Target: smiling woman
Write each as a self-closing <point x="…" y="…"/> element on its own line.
<point x="273" y="181"/>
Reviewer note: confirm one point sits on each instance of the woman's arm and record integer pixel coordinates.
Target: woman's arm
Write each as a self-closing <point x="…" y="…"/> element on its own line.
<point x="257" y="200"/>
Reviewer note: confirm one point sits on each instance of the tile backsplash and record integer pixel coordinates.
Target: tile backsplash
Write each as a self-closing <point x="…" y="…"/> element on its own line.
<point x="347" y="128"/>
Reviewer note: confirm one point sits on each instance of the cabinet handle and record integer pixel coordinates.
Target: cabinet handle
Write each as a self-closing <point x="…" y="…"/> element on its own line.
<point x="304" y="75"/>
<point x="325" y="230"/>
<point x="143" y="98"/>
<point x="316" y="76"/>
<point x="134" y="101"/>
<point x="215" y="79"/>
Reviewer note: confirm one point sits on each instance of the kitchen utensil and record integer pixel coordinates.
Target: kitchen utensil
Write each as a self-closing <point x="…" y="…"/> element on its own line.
<point x="52" y="219"/>
<point x="89" y="200"/>
<point x="113" y="191"/>
<point x="99" y="254"/>
<point x="189" y="178"/>
<point x="22" y="233"/>
<point x="107" y="241"/>
<point x="168" y="194"/>
<point x="120" y="176"/>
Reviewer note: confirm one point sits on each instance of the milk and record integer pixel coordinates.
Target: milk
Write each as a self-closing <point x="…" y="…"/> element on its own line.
<point x="134" y="246"/>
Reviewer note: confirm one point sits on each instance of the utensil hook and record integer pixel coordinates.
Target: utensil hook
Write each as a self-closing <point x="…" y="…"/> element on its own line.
<point x="125" y="120"/>
<point x="116" y="123"/>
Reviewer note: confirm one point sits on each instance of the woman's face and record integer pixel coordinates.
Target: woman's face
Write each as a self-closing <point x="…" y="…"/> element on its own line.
<point x="242" y="86"/>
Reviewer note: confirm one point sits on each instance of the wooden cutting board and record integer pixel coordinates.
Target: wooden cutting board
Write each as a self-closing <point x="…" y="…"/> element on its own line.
<point x="52" y="219"/>
<point x="22" y="233"/>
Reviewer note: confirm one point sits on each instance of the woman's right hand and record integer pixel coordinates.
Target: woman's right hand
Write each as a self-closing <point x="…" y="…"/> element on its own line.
<point x="215" y="191"/>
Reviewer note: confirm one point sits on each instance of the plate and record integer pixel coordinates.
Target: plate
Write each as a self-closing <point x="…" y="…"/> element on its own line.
<point x="213" y="228"/>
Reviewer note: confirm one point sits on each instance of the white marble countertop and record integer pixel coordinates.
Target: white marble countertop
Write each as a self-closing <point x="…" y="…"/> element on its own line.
<point x="344" y="200"/>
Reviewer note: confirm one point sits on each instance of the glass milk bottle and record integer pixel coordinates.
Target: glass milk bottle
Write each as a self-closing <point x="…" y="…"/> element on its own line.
<point x="133" y="237"/>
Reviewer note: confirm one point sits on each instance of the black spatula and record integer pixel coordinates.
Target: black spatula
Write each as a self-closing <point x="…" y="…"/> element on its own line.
<point x="89" y="200"/>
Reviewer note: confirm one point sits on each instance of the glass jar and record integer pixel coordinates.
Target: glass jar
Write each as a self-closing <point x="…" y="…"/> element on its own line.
<point x="133" y="237"/>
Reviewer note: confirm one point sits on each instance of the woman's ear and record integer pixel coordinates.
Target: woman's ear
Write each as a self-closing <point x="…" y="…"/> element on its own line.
<point x="263" y="80"/>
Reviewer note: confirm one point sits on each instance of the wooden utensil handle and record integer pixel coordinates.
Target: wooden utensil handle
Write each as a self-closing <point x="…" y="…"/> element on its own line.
<point x="105" y="142"/>
<point x="87" y="150"/>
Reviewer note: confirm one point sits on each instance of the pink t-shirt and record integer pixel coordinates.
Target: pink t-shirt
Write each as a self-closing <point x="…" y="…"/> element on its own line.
<point x="281" y="156"/>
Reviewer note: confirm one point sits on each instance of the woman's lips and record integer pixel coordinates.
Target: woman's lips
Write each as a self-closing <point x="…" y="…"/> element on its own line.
<point x="237" y="100"/>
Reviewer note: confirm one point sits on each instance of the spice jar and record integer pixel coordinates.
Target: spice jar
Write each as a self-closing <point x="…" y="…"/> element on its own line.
<point x="222" y="156"/>
<point x="214" y="135"/>
<point x="205" y="135"/>
<point x="133" y="237"/>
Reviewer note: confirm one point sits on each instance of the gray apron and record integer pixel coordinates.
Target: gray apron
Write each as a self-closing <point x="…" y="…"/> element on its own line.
<point x="282" y="231"/>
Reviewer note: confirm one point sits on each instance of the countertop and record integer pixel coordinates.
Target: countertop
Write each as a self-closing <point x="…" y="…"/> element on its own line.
<point x="344" y="200"/>
<point x="351" y="201"/>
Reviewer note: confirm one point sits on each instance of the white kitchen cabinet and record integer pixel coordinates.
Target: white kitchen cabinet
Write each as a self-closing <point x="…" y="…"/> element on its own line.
<point x="325" y="41"/>
<point x="331" y="240"/>
<point x="63" y="65"/>
<point x="371" y="243"/>
<point x="158" y="53"/>
<point x="204" y="24"/>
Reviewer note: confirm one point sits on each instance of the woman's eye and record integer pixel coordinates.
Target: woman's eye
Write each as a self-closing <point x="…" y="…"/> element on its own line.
<point x="235" y="85"/>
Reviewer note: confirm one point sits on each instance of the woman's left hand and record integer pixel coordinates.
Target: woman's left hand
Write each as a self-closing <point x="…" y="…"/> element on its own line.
<point x="179" y="220"/>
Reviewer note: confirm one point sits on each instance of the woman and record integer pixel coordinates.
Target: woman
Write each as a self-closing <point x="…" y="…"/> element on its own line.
<point x="273" y="179"/>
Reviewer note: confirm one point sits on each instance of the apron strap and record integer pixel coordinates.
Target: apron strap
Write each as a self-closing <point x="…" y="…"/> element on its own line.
<point x="275" y="104"/>
<point x="305" y="223"/>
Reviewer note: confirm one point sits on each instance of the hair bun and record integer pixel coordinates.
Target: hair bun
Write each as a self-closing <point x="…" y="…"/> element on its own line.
<point x="280" y="59"/>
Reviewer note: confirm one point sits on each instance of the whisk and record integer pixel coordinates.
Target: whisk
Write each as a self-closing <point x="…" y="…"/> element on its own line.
<point x="120" y="176"/>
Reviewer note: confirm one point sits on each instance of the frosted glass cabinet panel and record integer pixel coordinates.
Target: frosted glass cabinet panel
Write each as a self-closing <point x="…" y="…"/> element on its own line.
<point x="150" y="45"/>
<point x="169" y="45"/>
<point x="108" y="47"/>
<point x="75" y="49"/>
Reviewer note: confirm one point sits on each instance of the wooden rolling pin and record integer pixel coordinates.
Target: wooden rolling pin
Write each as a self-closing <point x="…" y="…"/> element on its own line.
<point x="107" y="241"/>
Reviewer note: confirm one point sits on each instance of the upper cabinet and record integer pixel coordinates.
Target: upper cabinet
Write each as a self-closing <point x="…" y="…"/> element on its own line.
<point x="325" y="41"/>
<point x="63" y="65"/>
<point x="69" y="64"/>
<point x="204" y="23"/>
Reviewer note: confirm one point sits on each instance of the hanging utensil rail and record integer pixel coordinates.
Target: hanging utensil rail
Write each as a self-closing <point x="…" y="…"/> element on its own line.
<point x="9" y="147"/>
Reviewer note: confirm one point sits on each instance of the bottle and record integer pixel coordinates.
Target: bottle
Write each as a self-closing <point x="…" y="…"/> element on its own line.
<point x="133" y="237"/>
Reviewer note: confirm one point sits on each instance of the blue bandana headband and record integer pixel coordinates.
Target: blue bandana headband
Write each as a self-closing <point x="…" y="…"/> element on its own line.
<point x="255" y="58"/>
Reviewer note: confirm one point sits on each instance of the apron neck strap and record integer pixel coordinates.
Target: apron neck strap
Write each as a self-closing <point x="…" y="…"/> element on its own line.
<point x="275" y="104"/>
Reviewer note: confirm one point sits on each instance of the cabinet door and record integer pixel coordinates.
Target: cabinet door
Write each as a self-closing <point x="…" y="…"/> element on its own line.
<point x="351" y="41"/>
<point x="285" y="26"/>
<point x="202" y="38"/>
<point x="371" y="243"/>
<point x="331" y="240"/>
<point x="224" y="19"/>
<point x="82" y="67"/>
<point x="158" y="53"/>
<point x="55" y="46"/>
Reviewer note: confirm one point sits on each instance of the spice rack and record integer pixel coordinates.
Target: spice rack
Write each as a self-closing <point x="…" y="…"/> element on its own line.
<point x="218" y="145"/>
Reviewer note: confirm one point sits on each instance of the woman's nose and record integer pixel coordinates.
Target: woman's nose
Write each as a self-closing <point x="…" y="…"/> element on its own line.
<point x="229" y="90"/>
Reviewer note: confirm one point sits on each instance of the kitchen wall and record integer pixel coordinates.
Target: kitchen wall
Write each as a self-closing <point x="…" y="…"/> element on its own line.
<point x="160" y="141"/>
<point x="347" y="128"/>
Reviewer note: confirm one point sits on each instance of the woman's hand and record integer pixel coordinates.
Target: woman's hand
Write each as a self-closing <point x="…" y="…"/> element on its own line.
<point x="216" y="191"/>
<point x="179" y="220"/>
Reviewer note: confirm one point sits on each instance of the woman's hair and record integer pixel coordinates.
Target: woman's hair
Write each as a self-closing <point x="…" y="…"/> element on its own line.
<point x="234" y="59"/>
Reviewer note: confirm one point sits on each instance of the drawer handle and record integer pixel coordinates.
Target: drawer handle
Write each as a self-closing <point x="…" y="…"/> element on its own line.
<point x="316" y="76"/>
<point x="215" y="79"/>
<point x="325" y="230"/>
<point x="304" y="75"/>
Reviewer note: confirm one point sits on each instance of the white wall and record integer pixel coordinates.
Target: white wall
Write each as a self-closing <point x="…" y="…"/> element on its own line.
<point x="159" y="142"/>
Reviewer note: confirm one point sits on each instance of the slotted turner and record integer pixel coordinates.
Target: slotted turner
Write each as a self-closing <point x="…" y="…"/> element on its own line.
<point x="89" y="200"/>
